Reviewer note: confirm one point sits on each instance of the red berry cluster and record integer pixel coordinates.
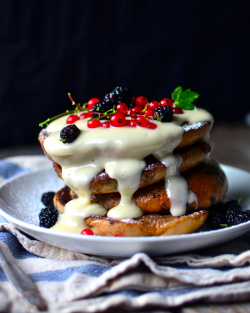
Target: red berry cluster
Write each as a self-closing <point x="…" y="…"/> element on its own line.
<point x="140" y="115"/>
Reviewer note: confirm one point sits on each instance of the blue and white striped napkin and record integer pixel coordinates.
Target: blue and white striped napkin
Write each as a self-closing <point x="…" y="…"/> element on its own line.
<point x="74" y="282"/>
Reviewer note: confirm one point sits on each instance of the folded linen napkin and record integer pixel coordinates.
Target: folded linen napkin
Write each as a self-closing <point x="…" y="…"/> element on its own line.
<point x="74" y="282"/>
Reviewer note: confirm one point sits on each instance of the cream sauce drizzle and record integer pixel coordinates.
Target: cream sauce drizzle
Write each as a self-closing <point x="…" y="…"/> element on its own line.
<point x="121" y="152"/>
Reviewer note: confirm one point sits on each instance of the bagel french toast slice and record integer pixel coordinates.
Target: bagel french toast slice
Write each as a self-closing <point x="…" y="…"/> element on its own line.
<point x="192" y="134"/>
<point x="154" y="172"/>
<point x="147" y="225"/>
<point x="207" y="181"/>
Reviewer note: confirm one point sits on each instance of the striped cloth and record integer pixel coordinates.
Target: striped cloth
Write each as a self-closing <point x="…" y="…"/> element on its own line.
<point x="74" y="282"/>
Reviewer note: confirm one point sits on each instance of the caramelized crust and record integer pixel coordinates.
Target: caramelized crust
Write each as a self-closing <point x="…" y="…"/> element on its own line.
<point x="147" y="225"/>
<point x="154" y="171"/>
<point x="42" y="136"/>
<point x="207" y="181"/>
<point x="193" y="133"/>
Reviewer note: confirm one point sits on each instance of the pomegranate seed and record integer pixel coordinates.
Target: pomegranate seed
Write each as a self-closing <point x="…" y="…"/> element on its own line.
<point x="152" y="125"/>
<point x="105" y="124"/>
<point x="117" y="236"/>
<point x="166" y="101"/>
<point x="135" y="110"/>
<point x="122" y="108"/>
<point x="85" y="115"/>
<point x="177" y="110"/>
<point x="87" y="231"/>
<point x="132" y="123"/>
<point x="142" y="121"/>
<point x="118" y="120"/>
<point x="72" y="119"/>
<point x="149" y="112"/>
<point x="153" y="105"/>
<point x="141" y="101"/>
<point x="91" y="102"/>
<point x="94" y="124"/>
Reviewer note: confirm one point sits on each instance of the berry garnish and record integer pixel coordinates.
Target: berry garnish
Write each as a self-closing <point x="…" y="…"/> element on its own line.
<point x="141" y="101"/>
<point x="132" y="103"/>
<point x="120" y="94"/>
<point x="132" y="123"/>
<point x="91" y="102"/>
<point x="122" y="108"/>
<point x="152" y="125"/>
<point x="120" y="100"/>
<point x="153" y="105"/>
<point x="69" y="133"/>
<point x="117" y="236"/>
<point x="47" y="199"/>
<point x="234" y="214"/>
<point x="93" y="123"/>
<point x="149" y="112"/>
<point x="48" y="217"/>
<point x="177" y="110"/>
<point x="98" y="108"/>
<point x="227" y="214"/>
<point x="142" y="121"/>
<point x="85" y="115"/>
<point x="72" y="119"/>
<point x="105" y="124"/>
<point x="87" y="231"/>
<point x="118" y="120"/>
<point x="137" y="110"/>
<point x="166" y="101"/>
<point x="163" y="114"/>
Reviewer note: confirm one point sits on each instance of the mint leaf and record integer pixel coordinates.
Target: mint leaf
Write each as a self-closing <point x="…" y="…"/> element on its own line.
<point x="184" y="99"/>
<point x="176" y="93"/>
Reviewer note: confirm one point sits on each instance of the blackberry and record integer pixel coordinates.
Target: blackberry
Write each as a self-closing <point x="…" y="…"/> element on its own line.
<point x="131" y="104"/>
<point x="164" y="114"/>
<point x="100" y="107"/>
<point x="216" y="216"/>
<point x="47" y="199"/>
<point x="234" y="214"/>
<point x="120" y="94"/>
<point x="228" y="213"/>
<point x="48" y="217"/>
<point x="69" y="133"/>
<point x="108" y="102"/>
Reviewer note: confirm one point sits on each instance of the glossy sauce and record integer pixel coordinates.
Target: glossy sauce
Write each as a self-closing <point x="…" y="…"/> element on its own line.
<point x="121" y="152"/>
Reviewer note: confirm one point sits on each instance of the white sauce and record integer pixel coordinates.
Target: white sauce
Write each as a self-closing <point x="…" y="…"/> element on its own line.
<point x="121" y="152"/>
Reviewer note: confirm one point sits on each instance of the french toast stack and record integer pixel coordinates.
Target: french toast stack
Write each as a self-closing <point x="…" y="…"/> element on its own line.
<point x="204" y="177"/>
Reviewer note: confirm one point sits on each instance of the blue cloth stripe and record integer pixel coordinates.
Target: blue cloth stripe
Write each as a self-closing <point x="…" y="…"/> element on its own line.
<point x="9" y="169"/>
<point x="62" y="275"/>
<point x="15" y="247"/>
<point x="3" y="220"/>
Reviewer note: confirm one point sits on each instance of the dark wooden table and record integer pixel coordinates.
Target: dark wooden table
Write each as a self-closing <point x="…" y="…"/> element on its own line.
<point x="231" y="147"/>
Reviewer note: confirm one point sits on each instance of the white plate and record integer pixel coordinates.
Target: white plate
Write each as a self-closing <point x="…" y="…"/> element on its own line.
<point x="22" y="196"/>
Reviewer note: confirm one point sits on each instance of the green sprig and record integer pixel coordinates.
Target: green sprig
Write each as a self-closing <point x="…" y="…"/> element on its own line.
<point x="106" y="114"/>
<point x="55" y="117"/>
<point x="77" y="109"/>
<point x="183" y="99"/>
<point x="158" y="117"/>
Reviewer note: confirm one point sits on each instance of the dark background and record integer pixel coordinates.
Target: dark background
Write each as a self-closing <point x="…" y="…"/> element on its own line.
<point x="50" y="48"/>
